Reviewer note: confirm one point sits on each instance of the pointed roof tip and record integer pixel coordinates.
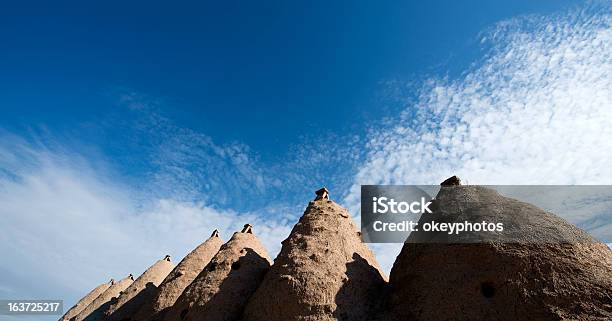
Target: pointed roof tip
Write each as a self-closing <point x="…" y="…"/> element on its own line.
<point x="167" y="258"/>
<point x="451" y="181"/>
<point x="215" y="233"/>
<point x="248" y="228"/>
<point x="322" y="193"/>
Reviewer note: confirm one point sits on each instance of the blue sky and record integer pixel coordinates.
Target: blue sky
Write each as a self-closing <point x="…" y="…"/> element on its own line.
<point x="129" y="131"/>
<point x="226" y="69"/>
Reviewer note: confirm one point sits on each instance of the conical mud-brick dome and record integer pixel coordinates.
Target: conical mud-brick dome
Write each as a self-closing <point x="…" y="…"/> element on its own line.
<point x="176" y="282"/>
<point x="222" y="289"/>
<point x="95" y="310"/>
<point x="86" y="300"/>
<point x="139" y="292"/>
<point x="323" y="272"/>
<point x="551" y="270"/>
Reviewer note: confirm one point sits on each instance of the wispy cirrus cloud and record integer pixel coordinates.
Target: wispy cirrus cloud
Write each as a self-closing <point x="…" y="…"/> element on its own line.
<point x="190" y="165"/>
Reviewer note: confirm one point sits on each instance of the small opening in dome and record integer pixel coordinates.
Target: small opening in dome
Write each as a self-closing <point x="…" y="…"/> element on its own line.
<point x="487" y="289"/>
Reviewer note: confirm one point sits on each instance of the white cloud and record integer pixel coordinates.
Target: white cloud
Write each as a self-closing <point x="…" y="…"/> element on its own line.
<point x="67" y="227"/>
<point x="189" y="165"/>
<point x="536" y="110"/>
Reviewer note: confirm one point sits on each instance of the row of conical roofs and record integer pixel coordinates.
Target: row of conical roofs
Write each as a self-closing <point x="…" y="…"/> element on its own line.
<point x="325" y="272"/>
